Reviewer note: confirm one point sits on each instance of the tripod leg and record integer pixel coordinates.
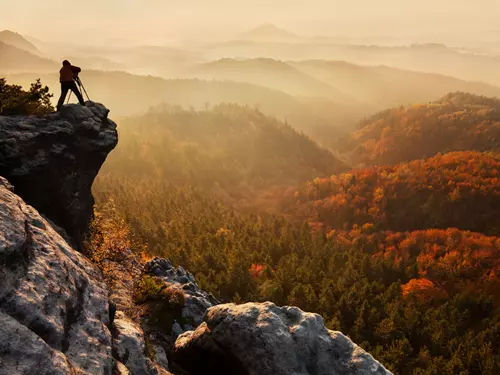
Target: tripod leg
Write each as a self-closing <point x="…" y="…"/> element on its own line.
<point x="69" y="96"/>
<point x="83" y="87"/>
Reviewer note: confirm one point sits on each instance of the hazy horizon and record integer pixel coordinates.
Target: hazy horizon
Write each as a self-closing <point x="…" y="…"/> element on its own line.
<point x="164" y="22"/>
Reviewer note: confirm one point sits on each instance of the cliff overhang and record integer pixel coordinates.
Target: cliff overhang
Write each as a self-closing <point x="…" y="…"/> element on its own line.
<point x="53" y="160"/>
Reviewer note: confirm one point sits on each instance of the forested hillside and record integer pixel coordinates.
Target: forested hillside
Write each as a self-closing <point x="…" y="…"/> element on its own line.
<point x="460" y="190"/>
<point x="403" y="259"/>
<point x="237" y="153"/>
<point x="423" y="302"/>
<point x="457" y="122"/>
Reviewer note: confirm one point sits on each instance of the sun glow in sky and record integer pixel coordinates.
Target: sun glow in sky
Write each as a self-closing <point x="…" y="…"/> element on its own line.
<point x="164" y="20"/>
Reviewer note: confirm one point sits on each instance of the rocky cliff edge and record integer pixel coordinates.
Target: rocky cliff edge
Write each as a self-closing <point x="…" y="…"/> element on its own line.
<point x="53" y="160"/>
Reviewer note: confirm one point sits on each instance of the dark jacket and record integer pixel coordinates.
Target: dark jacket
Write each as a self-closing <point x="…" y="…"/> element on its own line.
<point x="67" y="73"/>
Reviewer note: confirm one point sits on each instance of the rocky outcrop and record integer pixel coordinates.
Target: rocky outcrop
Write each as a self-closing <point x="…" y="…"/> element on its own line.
<point x="263" y="339"/>
<point x="54" y="312"/>
<point x="196" y="301"/>
<point x="52" y="161"/>
<point x="55" y="315"/>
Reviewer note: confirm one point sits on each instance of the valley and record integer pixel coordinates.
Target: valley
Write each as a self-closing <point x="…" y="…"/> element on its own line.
<point x="358" y="181"/>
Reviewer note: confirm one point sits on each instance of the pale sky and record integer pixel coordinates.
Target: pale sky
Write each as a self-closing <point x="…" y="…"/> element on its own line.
<point x="159" y="21"/>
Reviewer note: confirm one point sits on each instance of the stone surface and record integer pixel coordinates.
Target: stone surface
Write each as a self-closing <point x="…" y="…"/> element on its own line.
<point x="121" y="291"/>
<point x="129" y="346"/>
<point x="196" y="300"/>
<point x="263" y="339"/>
<point x="23" y="352"/>
<point x="52" y="161"/>
<point x="53" y="305"/>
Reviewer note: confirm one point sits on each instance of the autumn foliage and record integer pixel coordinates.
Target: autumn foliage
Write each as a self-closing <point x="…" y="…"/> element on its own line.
<point x="256" y="270"/>
<point x="457" y="122"/>
<point x="442" y="262"/>
<point x="405" y="259"/>
<point x="423" y="289"/>
<point x="439" y="192"/>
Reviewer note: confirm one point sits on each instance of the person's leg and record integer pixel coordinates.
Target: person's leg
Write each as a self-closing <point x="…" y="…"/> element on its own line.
<point x="64" y="92"/>
<point x="77" y="92"/>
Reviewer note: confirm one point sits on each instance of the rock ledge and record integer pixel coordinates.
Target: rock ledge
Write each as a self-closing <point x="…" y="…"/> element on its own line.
<point x="52" y="161"/>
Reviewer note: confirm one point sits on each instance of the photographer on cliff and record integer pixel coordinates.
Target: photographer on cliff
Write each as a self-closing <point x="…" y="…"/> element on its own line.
<point x="67" y="76"/>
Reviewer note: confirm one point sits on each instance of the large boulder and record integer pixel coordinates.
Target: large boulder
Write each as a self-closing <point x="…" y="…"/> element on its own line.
<point x="52" y="161"/>
<point x="54" y="312"/>
<point x="264" y="339"/>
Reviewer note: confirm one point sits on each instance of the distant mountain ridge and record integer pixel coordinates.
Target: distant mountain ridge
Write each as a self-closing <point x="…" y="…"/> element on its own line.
<point x="271" y="73"/>
<point x="361" y="89"/>
<point x="268" y="32"/>
<point x="17" y="60"/>
<point x="18" y="41"/>
<point x="383" y="86"/>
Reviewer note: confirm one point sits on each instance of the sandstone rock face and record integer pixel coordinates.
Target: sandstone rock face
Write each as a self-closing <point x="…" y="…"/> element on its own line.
<point x="23" y="352"/>
<point x="130" y="348"/>
<point x="54" y="314"/>
<point x="52" y="161"/>
<point x="263" y="339"/>
<point x="196" y="300"/>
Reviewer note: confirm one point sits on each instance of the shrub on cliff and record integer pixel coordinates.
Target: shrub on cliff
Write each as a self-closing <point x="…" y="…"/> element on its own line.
<point x="16" y="101"/>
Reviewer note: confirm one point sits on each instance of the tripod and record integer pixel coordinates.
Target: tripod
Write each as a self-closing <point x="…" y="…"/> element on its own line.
<point x="81" y="88"/>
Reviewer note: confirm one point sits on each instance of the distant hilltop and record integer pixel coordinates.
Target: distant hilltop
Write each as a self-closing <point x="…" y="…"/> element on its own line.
<point x="270" y="33"/>
<point x="17" y="40"/>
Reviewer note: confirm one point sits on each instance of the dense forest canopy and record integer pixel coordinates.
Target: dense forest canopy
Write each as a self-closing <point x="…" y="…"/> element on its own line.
<point x="423" y="302"/>
<point x="260" y="212"/>
<point x="440" y="192"/>
<point x="457" y="122"/>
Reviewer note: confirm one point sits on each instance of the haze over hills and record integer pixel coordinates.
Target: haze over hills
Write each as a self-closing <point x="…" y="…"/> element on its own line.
<point x="270" y="73"/>
<point x="17" y="40"/>
<point x="129" y="94"/>
<point x="368" y="87"/>
<point x="244" y="157"/>
<point x="269" y="33"/>
<point x="174" y="59"/>
<point x="164" y="61"/>
<point x="429" y="58"/>
<point x="324" y="99"/>
<point x="383" y="86"/>
<point x="16" y="60"/>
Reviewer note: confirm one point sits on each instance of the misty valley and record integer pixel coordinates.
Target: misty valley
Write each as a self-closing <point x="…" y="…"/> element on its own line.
<point x="355" y="180"/>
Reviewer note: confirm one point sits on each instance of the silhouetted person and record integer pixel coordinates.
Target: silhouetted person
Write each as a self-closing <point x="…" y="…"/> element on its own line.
<point x="67" y="76"/>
